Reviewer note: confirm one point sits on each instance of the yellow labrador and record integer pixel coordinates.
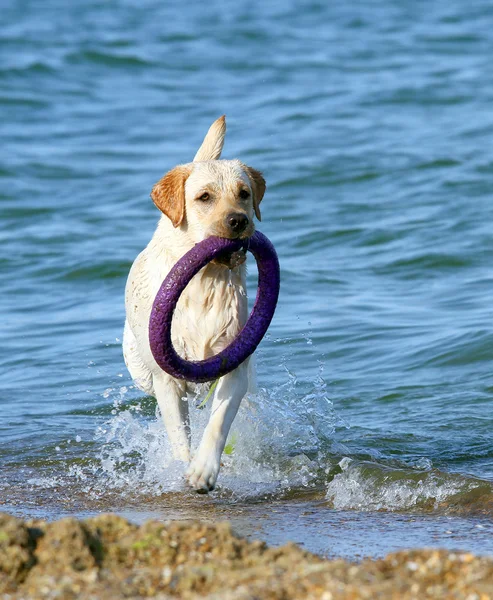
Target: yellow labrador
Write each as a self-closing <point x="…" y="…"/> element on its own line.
<point x="203" y="198"/>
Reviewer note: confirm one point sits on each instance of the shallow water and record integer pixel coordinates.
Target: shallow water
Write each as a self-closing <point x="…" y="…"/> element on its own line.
<point x="372" y="426"/>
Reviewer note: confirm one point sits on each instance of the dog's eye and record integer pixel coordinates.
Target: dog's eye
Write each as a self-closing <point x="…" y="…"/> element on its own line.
<point x="205" y="196"/>
<point x="244" y="194"/>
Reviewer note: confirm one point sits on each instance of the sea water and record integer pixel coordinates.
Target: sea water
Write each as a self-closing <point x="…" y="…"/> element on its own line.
<point x="371" y="429"/>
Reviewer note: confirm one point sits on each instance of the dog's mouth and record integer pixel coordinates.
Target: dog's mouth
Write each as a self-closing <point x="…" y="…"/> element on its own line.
<point x="231" y="260"/>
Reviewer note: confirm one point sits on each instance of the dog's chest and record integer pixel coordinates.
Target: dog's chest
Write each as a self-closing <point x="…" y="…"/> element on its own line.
<point x="210" y="313"/>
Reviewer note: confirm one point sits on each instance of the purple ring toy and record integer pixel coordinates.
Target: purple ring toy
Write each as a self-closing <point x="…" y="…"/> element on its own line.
<point x="249" y="337"/>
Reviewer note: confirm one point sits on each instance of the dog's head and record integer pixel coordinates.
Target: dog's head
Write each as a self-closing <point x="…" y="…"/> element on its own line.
<point x="211" y="196"/>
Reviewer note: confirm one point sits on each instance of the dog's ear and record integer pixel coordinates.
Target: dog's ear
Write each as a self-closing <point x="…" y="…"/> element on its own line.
<point x="258" y="187"/>
<point x="169" y="194"/>
<point x="213" y="143"/>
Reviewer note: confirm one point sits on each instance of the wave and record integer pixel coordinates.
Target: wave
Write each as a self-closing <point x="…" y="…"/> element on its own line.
<point x="112" y="59"/>
<point x="369" y="486"/>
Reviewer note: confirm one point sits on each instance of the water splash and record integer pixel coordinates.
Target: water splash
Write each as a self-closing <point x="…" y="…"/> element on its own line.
<point x="278" y="435"/>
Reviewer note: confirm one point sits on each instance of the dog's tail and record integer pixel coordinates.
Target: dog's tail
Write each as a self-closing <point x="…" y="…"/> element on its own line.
<point x="213" y="143"/>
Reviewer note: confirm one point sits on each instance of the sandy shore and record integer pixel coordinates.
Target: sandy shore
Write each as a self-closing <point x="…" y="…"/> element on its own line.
<point x="106" y="557"/>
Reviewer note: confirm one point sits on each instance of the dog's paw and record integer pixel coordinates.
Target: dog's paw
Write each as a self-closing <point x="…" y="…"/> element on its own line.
<point x="202" y="474"/>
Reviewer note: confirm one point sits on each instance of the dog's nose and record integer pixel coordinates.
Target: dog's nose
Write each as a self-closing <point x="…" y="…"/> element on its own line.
<point x="237" y="222"/>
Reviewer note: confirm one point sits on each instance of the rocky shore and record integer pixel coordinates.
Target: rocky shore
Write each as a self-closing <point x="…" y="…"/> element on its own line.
<point x="106" y="557"/>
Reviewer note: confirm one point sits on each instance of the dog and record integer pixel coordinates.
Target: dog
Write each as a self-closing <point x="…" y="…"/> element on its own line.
<point x="206" y="197"/>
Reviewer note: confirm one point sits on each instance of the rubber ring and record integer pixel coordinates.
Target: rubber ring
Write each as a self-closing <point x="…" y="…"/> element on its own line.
<point x="248" y="338"/>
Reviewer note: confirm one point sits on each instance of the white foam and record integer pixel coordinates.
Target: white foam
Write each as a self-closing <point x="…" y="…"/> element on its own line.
<point x="373" y="487"/>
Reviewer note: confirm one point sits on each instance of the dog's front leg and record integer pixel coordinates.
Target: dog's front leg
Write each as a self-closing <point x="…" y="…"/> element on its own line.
<point x="170" y="396"/>
<point x="204" y="468"/>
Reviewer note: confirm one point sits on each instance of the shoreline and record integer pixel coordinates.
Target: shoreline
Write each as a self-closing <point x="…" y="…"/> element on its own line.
<point x="332" y="533"/>
<point x="108" y="557"/>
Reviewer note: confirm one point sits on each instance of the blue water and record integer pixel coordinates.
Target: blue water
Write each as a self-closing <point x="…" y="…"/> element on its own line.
<point x="372" y="123"/>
